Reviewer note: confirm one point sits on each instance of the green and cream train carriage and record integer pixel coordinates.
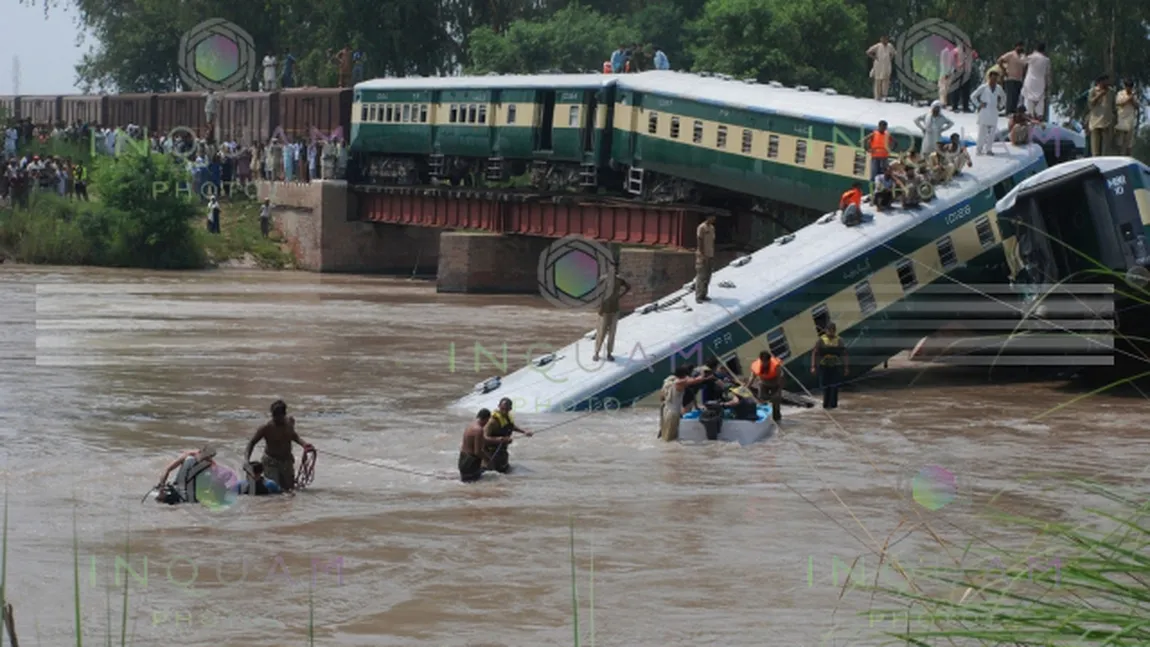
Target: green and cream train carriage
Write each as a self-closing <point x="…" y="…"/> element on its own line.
<point x="410" y="130"/>
<point x="877" y="281"/>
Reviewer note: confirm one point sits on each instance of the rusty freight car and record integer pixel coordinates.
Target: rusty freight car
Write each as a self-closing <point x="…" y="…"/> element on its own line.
<point x="8" y="107"/>
<point x="183" y="110"/>
<point x="126" y="109"/>
<point x="42" y="110"/>
<point x="248" y="117"/>
<point x="84" y="108"/>
<point x="328" y="110"/>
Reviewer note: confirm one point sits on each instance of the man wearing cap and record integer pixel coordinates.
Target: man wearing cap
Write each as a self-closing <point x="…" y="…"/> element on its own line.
<point x="932" y="124"/>
<point x="192" y="464"/>
<point x="278" y="434"/>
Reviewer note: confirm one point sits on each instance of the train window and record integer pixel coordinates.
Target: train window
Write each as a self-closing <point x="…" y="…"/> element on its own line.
<point x="747" y="139"/>
<point x="906" y="274"/>
<point x="822" y="317"/>
<point x="946" y="252"/>
<point x="777" y="342"/>
<point x="391" y="114"/>
<point x="985" y="233"/>
<point x="573" y="118"/>
<point x="472" y="113"/>
<point x="406" y="113"/>
<point x="773" y="146"/>
<point x="454" y="116"/>
<point x="653" y="123"/>
<point x="674" y="127"/>
<point x="511" y="114"/>
<point x="371" y="115"/>
<point x="483" y="114"/>
<point x="423" y="114"/>
<point x="867" y="302"/>
<point x="801" y="152"/>
<point x="363" y="113"/>
<point x="828" y="157"/>
<point x="721" y="137"/>
<point x="697" y="136"/>
<point x="860" y="163"/>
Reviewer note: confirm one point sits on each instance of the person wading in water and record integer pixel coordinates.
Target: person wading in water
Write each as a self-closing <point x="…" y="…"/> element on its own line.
<point x="768" y="372"/>
<point x="500" y="427"/>
<point x="278" y="435"/>
<point x="831" y="363"/>
<point x="472" y="452"/>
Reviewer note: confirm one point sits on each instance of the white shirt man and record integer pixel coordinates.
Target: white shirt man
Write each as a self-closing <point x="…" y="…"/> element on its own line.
<point x="932" y="124"/>
<point x="269" y="73"/>
<point x="1037" y="81"/>
<point x="883" y="54"/>
<point x="990" y="100"/>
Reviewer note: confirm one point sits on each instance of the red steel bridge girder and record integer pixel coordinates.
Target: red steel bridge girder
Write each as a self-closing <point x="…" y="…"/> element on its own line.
<point x="612" y="221"/>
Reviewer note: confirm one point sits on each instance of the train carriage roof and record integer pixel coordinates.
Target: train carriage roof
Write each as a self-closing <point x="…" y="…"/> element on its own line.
<point x="494" y="82"/>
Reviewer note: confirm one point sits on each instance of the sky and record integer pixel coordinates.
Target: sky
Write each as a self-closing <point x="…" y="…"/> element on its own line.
<point x="26" y="32"/>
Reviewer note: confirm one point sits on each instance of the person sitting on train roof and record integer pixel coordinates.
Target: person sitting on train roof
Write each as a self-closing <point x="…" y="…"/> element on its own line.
<point x="958" y="155"/>
<point x="908" y="186"/>
<point x="939" y="169"/>
<point x="850" y="205"/>
<point x="1020" y="125"/>
<point x="884" y="189"/>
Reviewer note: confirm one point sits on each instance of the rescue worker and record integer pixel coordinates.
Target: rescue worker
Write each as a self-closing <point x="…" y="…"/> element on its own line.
<point x="850" y="205"/>
<point x="768" y="372"/>
<point x="472" y="452"/>
<point x="831" y="363"/>
<point x="616" y="287"/>
<point x="673" y="392"/>
<point x="704" y="258"/>
<point x="191" y="465"/>
<point x="880" y="144"/>
<point x="278" y="434"/>
<point x="497" y="435"/>
<point x="257" y="484"/>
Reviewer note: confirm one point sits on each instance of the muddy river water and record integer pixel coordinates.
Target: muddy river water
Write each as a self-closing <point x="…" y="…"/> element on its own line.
<point x="106" y="375"/>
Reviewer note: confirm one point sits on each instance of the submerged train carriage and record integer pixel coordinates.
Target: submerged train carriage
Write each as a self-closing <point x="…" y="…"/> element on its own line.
<point x="408" y="131"/>
<point x="870" y="280"/>
<point x="1087" y="222"/>
<point x="681" y="135"/>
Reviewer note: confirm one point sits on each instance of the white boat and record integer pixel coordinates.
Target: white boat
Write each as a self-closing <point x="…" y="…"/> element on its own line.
<point x="743" y="432"/>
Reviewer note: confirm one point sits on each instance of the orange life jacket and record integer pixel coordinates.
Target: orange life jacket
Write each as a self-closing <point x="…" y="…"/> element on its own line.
<point x="772" y="368"/>
<point x="606" y="67"/>
<point x="852" y="196"/>
<point x="880" y="144"/>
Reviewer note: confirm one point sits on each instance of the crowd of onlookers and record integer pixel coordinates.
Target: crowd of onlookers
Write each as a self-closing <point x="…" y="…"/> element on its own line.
<point x="636" y="58"/>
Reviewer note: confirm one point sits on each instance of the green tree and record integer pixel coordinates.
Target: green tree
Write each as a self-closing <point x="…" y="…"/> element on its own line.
<point x="574" y="39"/>
<point x="817" y="43"/>
<point x="149" y="221"/>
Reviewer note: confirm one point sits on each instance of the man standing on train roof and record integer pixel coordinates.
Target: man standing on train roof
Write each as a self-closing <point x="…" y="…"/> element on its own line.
<point x="288" y="77"/>
<point x="278" y="434"/>
<point x="880" y="144"/>
<point x="473" y="450"/>
<point x="619" y="59"/>
<point x="191" y="465"/>
<point x="932" y="124"/>
<point x="704" y="258"/>
<point x="500" y="427"/>
<point x="990" y="100"/>
<point x="614" y="289"/>
<point x="831" y="363"/>
<point x="768" y="372"/>
<point x="269" y="73"/>
<point x="661" y="62"/>
<point x="883" y="54"/>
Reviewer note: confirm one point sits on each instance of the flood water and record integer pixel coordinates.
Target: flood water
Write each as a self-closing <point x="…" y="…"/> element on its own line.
<point x="106" y="375"/>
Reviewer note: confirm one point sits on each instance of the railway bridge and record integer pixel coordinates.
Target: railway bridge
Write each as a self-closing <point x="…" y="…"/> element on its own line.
<point x="478" y="241"/>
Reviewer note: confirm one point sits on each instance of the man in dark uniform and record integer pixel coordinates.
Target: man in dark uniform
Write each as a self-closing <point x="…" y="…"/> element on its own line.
<point x="278" y="435"/>
<point x="497" y="433"/>
<point x="831" y="364"/>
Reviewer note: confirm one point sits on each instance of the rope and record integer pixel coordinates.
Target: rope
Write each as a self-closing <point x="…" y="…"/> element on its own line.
<point x="306" y="472"/>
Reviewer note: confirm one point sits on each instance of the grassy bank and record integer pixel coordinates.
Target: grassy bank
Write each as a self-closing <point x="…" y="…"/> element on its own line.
<point x="240" y="238"/>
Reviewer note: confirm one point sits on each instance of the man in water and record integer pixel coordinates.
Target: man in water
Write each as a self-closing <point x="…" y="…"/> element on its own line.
<point x="499" y="430"/>
<point x="278" y="435"/>
<point x="191" y="464"/>
<point x="256" y="483"/>
<point x="831" y="363"/>
<point x="473" y="450"/>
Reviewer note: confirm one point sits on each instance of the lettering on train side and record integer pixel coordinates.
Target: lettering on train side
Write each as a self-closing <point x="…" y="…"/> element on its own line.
<point x="958" y="214"/>
<point x="857" y="271"/>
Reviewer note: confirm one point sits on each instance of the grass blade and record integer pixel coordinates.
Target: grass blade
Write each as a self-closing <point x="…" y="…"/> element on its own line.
<point x="76" y="578"/>
<point x="574" y="586"/>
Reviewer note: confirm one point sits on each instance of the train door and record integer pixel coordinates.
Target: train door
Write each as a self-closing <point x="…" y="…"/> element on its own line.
<point x="591" y="107"/>
<point x="546" y="122"/>
<point x="636" y="146"/>
<point x="496" y="119"/>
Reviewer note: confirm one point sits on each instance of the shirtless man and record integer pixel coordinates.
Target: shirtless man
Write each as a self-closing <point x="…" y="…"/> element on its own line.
<point x="278" y="435"/>
<point x="473" y="451"/>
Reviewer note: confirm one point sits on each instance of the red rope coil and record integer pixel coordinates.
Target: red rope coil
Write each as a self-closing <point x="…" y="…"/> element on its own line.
<point x="306" y="472"/>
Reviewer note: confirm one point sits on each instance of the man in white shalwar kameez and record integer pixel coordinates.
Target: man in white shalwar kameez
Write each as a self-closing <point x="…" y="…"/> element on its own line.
<point x="883" y="54"/>
<point x="990" y="100"/>
<point x="1036" y="83"/>
<point x="932" y="124"/>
